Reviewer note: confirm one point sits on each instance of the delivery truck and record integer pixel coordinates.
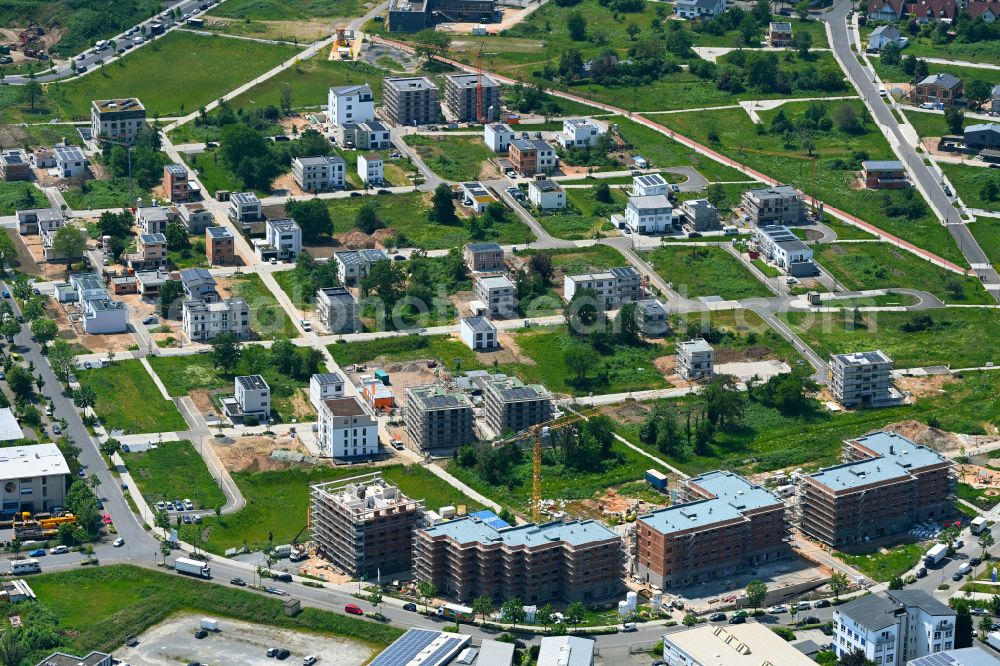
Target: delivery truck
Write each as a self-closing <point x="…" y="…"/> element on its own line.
<point x="209" y="624"/>
<point x="978" y="524"/>
<point x="935" y="554"/>
<point x="192" y="567"/>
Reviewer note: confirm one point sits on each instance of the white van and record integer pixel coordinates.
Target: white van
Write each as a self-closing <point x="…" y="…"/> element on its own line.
<point x="965" y="568"/>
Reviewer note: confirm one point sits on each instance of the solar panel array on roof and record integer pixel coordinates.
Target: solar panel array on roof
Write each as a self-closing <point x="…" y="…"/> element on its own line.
<point x="490" y="518"/>
<point x="415" y="642"/>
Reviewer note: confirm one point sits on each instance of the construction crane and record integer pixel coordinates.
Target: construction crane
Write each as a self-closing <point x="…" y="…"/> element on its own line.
<point x="480" y="116"/>
<point x="538" y="433"/>
<point x="810" y="158"/>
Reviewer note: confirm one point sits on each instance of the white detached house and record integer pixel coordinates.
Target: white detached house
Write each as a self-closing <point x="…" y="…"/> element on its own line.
<point x="690" y="9"/>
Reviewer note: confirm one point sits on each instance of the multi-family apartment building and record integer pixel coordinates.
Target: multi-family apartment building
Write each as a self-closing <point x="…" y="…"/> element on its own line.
<point x="14" y="165"/>
<point x="546" y="195"/>
<point x="721" y="525"/>
<point x="784" y="249"/>
<point x="354" y="265"/>
<point x="363" y="525"/>
<point x="244" y="207"/>
<point x="894" y="627"/>
<point x="695" y="359"/>
<point x="415" y="15"/>
<point x="153" y="219"/>
<point x="117" y="119"/>
<point x="436" y="417"/>
<point x="483" y="257"/>
<point x="532" y="156"/>
<point x="203" y="320"/>
<point x="885" y="485"/>
<point x="285" y="236"/>
<point x="652" y="214"/>
<point x="350" y="104"/>
<point x="177" y="183"/>
<point x="369" y="135"/>
<point x="510" y="405"/>
<point x="39" y="221"/>
<point x="579" y="133"/>
<point x="337" y="310"/>
<point x="316" y="174"/>
<point x="461" y="97"/>
<point x="195" y="217"/>
<point x="220" y="246"/>
<point x="748" y="644"/>
<point x="346" y="428"/>
<point x="884" y="175"/>
<point x="779" y="204"/>
<point x="498" y="295"/>
<point x="32" y="478"/>
<point x="468" y="558"/>
<point x="325" y="386"/>
<point x="614" y="288"/>
<point x="700" y="214"/>
<point x="370" y="169"/>
<point x="410" y="101"/>
<point x="861" y="379"/>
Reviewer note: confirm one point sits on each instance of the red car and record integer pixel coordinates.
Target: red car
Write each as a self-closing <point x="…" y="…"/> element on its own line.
<point x="353" y="609"/>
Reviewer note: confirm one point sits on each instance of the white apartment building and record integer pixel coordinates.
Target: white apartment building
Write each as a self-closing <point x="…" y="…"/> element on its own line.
<point x="546" y="194"/>
<point x="285" y="236"/>
<point x="350" y="104"/>
<point x="478" y="333"/>
<point x="650" y="185"/>
<point x="118" y="119"/>
<point x="894" y="627"/>
<point x="347" y="429"/>
<point x="784" y="249"/>
<point x="649" y="215"/>
<point x="325" y="386"/>
<point x="39" y="221"/>
<point x="316" y="174"/>
<point x="497" y="137"/>
<point x="749" y="644"/>
<point x="253" y="396"/>
<point x="498" y="294"/>
<point x="695" y="359"/>
<point x="153" y="219"/>
<point x="203" y="321"/>
<point x="245" y="207"/>
<point x="861" y="378"/>
<point x="32" y="478"/>
<point x="370" y="169"/>
<point x="579" y="133"/>
<point x="614" y="287"/>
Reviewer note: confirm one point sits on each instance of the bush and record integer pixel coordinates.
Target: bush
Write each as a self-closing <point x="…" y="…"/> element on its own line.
<point x="784" y="632"/>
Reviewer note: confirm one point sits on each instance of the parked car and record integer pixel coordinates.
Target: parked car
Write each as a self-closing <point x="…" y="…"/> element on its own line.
<point x="308" y="661"/>
<point x="283" y="577"/>
<point x="737" y="619"/>
<point x="187" y="518"/>
<point x="56" y="428"/>
<point x="412" y="607"/>
<point x="238" y="582"/>
<point x="957" y="575"/>
<point x="178" y="506"/>
<point x="975" y="561"/>
<point x="200" y="634"/>
<point x="775" y="610"/>
<point x="811" y="619"/>
<point x="803" y="605"/>
<point x="921" y="572"/>
<point x="272" y="651"/>
<point x="717" y="617"/>
<point x="353" y="609"/>
<point x="118" y="543"/>
<point x="822" y="603"/>
<point x="197" y="518"/>
<point x="355" y="194"/>
<point x="283" y="654"/>
<point x="38" y="552"/>
<point x="59" y="550"/>
<point x="629" y="627"/>
<point x="275" y="591"/>
<point x="161" y="506"/>
<point x="979" y="611"/>
<point x="188" y="504"/>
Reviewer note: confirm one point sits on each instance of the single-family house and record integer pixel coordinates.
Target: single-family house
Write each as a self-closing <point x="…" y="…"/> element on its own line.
<point x="150" y="254"/>
<point x="476" y="197"/>
<point x="195" y="217"/>
<point x="153" y="219"/>
<point x="546" y="194"/>
<point x="484" y="257"/>
<point x="220" y="246"/>
<point x="498" y="295"/>
<point x="368" y="135"/>
<point x="285" y="236"/>
<point x="245" y="207"/>
<point x="699" y="214"/>
<point x="886" y="10"/>
<point x="988" y="10"/>
<point x="104" y="316"/>
<point x="938" y="89"/>
<point x="478" y="333"/>
<point x="649" y="215"/>
<point x="353" y="265"/>
<point x="649" y="185"/>
<point x="70" y="162"/>
<point x="370" y="169"/>
<point x="14" y="165"/>
<point x="532" y="156"/>
<point x="885" y="35"/>
<point x="579" y="133"/>
<point x="337" y="310"/>
<point x="651" y="317"/>
<point x="699" y="9"/>
<point x="199" y="285"/>
<point x="251" y="402"/>
<point x="884" y="174"/>
<point x="779" y="34"/>
<point x="39" y="220"/>
<point x="497" y="137"/>
<point x="925" y="11"/>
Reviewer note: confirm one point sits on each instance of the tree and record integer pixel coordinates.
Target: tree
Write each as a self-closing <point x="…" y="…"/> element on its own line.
<point x="847" y="120"/>
<point x="583" y="314"/>
<point x="602" y="193"/>
<point x="627" y="323"/>
<point x="11" y="328"/>
<point x="164" y="550"/>
<point x="575" y="612"/>
<point x="715" y="194"/>
<point x="20" y="381"/>
<point x="895" y="583"/>
<point x="990" y="191"/>
<point x="690" y="619"/>
<point x="633" y="30"/>
<point x="854" y="658"/>
<point x="14" y="646"/>
<point x="978" y="91"/>
<point x="427" y="590"/>
<point x="724" y="403"/>
<point x="986" y="540"/>
<point x="171" y="291"/>
<point x="482" y="606"/>
<point x="110" y="446"/>
<point x="544" y="615"/>
<point x="429" y="42"/>
<point x="949" y="535"/>
<point x="367" y="218"/>
<point x="84" y="397"/>
<point x="443" y="206"/>
<point x="65" y="535"/>
<point x="312" y="216"/>
<point x="44" y="329"/>
<point x="954" y="118"/>
<point x="838" y="584"/>
<point x="890" y="54"/>
<point x="762" y="11"/>
<point x="578" y="358"/>
<point x="62" y="358"/>
<point x="749" y="30"/>
<point x="162" y="520"/>
<point x="756" y="593"/>
<point x="387" y="281"/>
<point x="576" y="25"/>
<point x="512" y="611"/>
<point x="177" y="237"/>
<point x="33" y="91"/>
<point x="69" y="242"/>
<point x="963" y="624"/>
<point x="286" y="98"/>
<point x="985" y="626"/>
<point x="375" y="596"/>
<point x="226" y="351"/>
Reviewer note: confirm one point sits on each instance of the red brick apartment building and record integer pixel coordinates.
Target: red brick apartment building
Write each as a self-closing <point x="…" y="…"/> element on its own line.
<point x="220" y="246"/>
<point x="470" y="557"/>
<point x="363" y="525"/>
<point x="886" y="484"/>
<point x="722" y="524"/>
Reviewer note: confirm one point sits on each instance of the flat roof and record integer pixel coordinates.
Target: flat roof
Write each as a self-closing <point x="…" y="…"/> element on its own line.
<point x="410" y="83"/>
<point x="244" y="198"/>
<point x="18" y="462"/>
<point x="176" y="169"/>
<point x="479" y="324"/>
<point x="749" y="644"/>
<point x="970" y="656"/>
<point x="733" y="496"/>
<point x="512" y="389"/>
<point x="650" y="180"/>
<point x="422" y="646"/>
<point x="897" y="458"/>
<point x="495" y="282"/>
<point x="253" y="382"/>
<point x="219" y="232"/>
<point x="345" y="407"/>
<point x="328" y="378"/>
<point x="774" y="192"/>
<point x="123" y="104"/>
<point x="882" y="165"/>
<point x="553" y="651"/>
<point x="470" y="80"/>
<point x="697" y="345"/>
<point x="484" y="247"/>
<point x="69" y="154"/>
<point x="545" y="185"/>
<point x="153" y="213"/>
<point x="286" y="224"/>
<point x="433" y="396"/>
<point x="9" y="429"/>
<point x="473" y="530"/>
<point x="863" y="358"/>
<point x="650" y="201"/>
<point x="347" y="90"/>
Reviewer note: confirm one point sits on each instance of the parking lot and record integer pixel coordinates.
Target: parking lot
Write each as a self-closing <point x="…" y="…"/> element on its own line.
<point x="173" y="642"/>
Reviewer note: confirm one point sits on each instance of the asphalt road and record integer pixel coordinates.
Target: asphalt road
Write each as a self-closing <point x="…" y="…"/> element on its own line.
<point x="863" y="80"/>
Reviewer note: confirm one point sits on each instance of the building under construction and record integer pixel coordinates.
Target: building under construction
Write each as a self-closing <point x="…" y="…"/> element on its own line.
<point x="415" y="15"/>
<point x="886" y="484"/>
<point x="462" y="97"/>
<point x="363" y="525"/>
<point x="721" y="525"/>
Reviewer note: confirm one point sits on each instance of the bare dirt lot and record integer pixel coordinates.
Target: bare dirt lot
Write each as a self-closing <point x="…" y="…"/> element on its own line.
<point x="173" y="642"/>
<point x="254" y="453"/>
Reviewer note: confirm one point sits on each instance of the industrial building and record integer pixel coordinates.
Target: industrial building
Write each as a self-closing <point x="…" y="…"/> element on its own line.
<point x="469" y="557"/>
<point x="363" y="525"/>
<point x="894" y="627"/>
<point x="436" y="417"/>
<point x="721" y="525"/>
<point x="512" y="406"/>
<point x="861" y="379"/>
<point x="461" y="97"/>
<point x="410" y="101"/>
<point x="886" y="484"/>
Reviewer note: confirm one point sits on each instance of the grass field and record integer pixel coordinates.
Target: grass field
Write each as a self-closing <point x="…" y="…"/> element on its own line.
<point x="127" y="399"/>
<point x="735" y="330"/>
<point x="406" y="214"/>
<point x="16" y="196"/>
<point x="734" y="38"/>
<point x="846" y="231"/>
<point x="919" y="46"/>
<point x="706" y="271"/>
<point x="267" y="318"/>
<point x="895" y="74"/>
<point x="662" y="151"/>
<point x="169" y="75"/>
<point x="112" y="193"/>
<point x="583" y="216"/>
<point x="442" y="348"/>
<point x="880" y="265"/>
<point x="212" y="174"/>
<point x="452" y="157"/>
<point x="968" y="331"/>
<point x="987" y="233"/>
<point x="309" y="81"/>
<point x="969" y="182"/>
<point x="277" y="502"/>
<point x="124" y="600"/>
<point x="573" y="261"/>
<point x="157" y="473"/>
<point x="738" y="138"/>
<point x="881" y="566"/>
<point x="287" y="10"/>
<point x="932" y="124"/>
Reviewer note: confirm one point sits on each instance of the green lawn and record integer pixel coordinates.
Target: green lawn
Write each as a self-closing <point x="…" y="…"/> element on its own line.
<point x="286" y="280"/>
<point x="882" y="567"/>
<point x="157" y="472"/>
<point x="737" y="331"/>
<point x="929" y="123"/>
<point x="169" y="75"/>
<point x="845" y="231"/>
<point x="968" y="332"/>
<point x="114" y="193"/>
<point x="406" y="215"/>
<point x="212" y="174"/>
<point x="442" y="348"/>
<point x="768" y="153"/>
<point x="895" y="74"/>
<point x="16" y="196"/>
<point x="987" y="233"/>
<point x="880" y="265"/>
<point x="457" y="158"/>
<point x="969" y="182"/>
<point x="127" y="399"/>
<point x="267" y="318"/>
<point x="583" y="216"/>
<point x="287" y="10"/>
<point x="734" y="38"/>
<point x="976" y="496"/>
<point x="919" y="46"/>
<point x="574" y="261"/>
<point x="39" y="135"/>
<point x="706" y="271"/>
<point x="277" y="502"/>
<point x="124" y="600"/>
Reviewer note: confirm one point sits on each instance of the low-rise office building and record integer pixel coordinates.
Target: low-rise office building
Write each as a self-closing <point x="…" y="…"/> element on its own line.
<point x="479" y="334"/>
<point x="220" y="246"/>
<point x="338" y="310"/>
<point x="497" y="293"/>
<point x="363" y="525"/>
<point x="510" y="405"/>
<point x="410" y="101"/>
<point x="546" y="194"/>
<point x="779" y="204"/>
<point x="468" y="558"/>
<point x="614" y="288"/>
<point x="695" y="359"/>
<point x="721" y="525"/>
<point x="886" y="485"/>
<point x="435" y="417"/>
<point x="347" y="428"/>
<point x="203" y="320"/>
<point x="321" y="173"/>
<point x="461" y="97"/>
<point x="861" y="379"/>
<point x="484" y="257"/>
<point x="33" y="478"/>
<point x="894" y="627"/>
<point x="784" y="249"/>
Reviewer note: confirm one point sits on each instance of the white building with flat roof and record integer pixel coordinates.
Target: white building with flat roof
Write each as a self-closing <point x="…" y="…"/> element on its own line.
<point x="695" y="359"/>
<point x="370" y="169"/>
<point x="204" y="320"/>
<point x="749" y="644"/>
<point x="347" y="428"/>
<point x="497" y="137"/>
<point x="478" y="333"/>
<point x="319" y="173"/>
<point x="245" y="207"/>
<point x="285" y="236"/>
<point x="546" y="194"/>
<point x="70" y="162"/>
<point x="350" y="104"/>
<point x="579" y="133"/>
<point x="325" y="386"/>
<point x="498" y="294"/>
<point x="649" y="215"/>
<point x="32" y="478"/>
<point x="649" y="185"/>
